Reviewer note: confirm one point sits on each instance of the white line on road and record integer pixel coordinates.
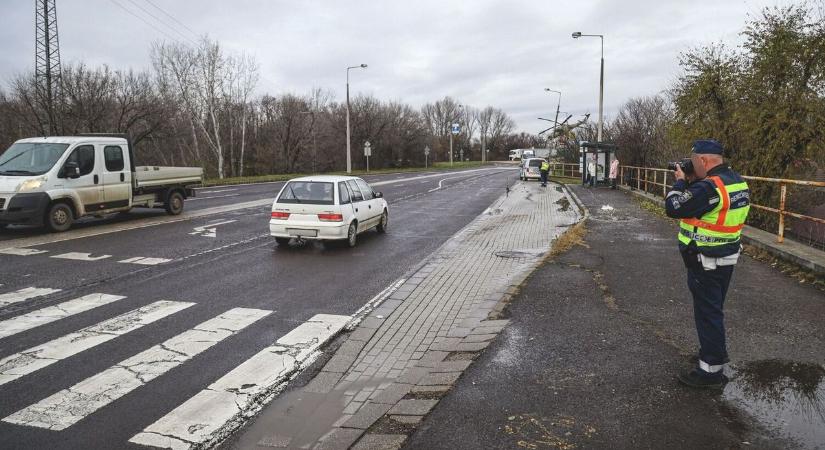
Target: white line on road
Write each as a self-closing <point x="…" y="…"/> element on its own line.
<point x="69" y="406"/>
<point x="214" y="196"/>
<point x="145" y="261"/>
<point x="21" y="251"/>
<point x="225" y="404"/>
<point x="52" y="313"/>
<point x="36" y="358"/>
<point x="76" y="256"/>
<point x="221" y="191"/>
<point x="24" y="294"/>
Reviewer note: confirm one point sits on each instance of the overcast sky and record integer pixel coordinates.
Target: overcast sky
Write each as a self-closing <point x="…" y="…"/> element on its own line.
<point x="499" y="53"/>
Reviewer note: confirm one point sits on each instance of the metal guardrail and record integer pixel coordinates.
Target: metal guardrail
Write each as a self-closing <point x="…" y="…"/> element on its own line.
<point x="643" y="178"/>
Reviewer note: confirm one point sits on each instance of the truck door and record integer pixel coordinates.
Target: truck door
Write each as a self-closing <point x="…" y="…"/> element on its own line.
<point x="117" y="179"/>
<point x="88" y="185"/>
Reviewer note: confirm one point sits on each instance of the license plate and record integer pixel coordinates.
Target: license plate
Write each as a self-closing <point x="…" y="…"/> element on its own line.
<point x="301" y="233"/>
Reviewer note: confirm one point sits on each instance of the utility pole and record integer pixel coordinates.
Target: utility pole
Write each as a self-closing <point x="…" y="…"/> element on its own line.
<point x="47" y="64"/>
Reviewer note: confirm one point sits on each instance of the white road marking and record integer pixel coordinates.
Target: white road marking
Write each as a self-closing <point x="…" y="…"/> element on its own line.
<point x="21" y="251"/>
<point x="36" y="358"/>
<point x="69" y="406"/>
<point x="145" y="261"/>
<point x="221" y="191"/>
<point x="77" y="256"/>
<point x="226" y="403"/>
<point x="209" y="230"/>
<point x="214" y="196"/>
<point x="24" y="294"/>
<point x="52" y="313"/>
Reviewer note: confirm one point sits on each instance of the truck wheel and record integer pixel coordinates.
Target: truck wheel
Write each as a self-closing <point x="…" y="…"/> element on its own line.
<point x="282" y="241"/>
<point x="174" y="203"/>
<point x="59" y="218"/>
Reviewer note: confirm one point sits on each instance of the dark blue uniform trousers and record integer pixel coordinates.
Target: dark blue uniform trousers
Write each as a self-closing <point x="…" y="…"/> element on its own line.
<point x="709" y="288"/>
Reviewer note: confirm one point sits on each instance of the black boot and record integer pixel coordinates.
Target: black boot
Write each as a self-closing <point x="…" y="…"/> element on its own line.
<point x="700" y="379"/>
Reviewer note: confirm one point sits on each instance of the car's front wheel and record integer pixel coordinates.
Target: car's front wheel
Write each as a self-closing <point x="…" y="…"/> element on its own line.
<point x="59" y="218"/>
<point x="352" y="235"/>
<point x="382" y="225"/>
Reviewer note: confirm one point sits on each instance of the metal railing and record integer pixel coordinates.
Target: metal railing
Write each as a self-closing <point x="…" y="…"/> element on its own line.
<point x="641" y="177"/>
<point x="565" y="170"/>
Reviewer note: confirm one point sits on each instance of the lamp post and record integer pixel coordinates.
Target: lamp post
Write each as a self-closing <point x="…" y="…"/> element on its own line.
<point x="577" y="35"/>
<point x="349" y="152"/>
<point x="558" y="106"/>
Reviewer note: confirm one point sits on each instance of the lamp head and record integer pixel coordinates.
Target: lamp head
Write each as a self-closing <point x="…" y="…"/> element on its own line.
<point x="364" y="66"/>
<point x="577" y="35"/>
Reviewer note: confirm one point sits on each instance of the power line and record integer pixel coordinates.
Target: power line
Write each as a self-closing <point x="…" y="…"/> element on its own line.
<point x="173" y="18"/>
<point x="149" y="13"/>
<point x="145" y="21"/>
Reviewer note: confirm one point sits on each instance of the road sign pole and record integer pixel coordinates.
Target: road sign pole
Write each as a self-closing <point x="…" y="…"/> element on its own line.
<point x="451" y="149"/>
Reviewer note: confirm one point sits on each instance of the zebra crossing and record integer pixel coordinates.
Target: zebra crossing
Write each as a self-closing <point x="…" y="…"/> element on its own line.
<point x="198" y="421"/>
<point x="81" y="256"/>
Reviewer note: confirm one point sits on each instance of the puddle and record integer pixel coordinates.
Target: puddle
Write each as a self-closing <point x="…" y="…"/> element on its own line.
<point x="787" y="397"/>
<point x="516" y="254"/>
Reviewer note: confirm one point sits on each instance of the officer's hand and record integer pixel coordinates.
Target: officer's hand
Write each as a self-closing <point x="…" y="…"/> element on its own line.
<point x="678" y="173"/>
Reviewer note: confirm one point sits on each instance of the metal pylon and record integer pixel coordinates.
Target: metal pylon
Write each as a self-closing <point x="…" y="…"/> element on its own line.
<point x="47" y="65"/>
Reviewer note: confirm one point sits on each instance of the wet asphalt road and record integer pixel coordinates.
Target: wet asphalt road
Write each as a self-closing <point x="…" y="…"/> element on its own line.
<point x="239" y="267"/>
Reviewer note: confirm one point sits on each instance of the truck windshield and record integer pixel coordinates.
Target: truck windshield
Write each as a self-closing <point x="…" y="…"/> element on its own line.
<point x="309" y="192"/>
<point x="30" y="158"/>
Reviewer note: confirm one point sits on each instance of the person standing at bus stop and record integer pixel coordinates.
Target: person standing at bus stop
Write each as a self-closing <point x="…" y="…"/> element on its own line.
<point x="544" y="170"/>
<point x="614" y="172"/>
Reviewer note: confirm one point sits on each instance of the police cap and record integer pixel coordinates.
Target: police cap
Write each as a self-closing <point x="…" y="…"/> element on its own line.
<point x="707" y="147"/>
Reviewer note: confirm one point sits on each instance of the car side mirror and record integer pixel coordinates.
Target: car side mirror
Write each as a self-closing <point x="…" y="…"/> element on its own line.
<point x="378" y="195"/>
<point x="71" y="170"/>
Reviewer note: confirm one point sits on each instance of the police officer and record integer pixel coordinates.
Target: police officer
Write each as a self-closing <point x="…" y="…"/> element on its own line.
<point x="544" y="170"/>
<point x="712" y="202"/>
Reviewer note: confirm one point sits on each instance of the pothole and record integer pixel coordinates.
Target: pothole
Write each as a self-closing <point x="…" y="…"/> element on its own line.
<point x="786" y="396"/>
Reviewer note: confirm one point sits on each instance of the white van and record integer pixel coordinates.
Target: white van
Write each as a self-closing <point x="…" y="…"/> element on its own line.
<point x="52" y="181"/>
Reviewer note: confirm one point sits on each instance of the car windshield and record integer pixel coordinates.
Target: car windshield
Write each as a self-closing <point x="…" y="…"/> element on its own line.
<point x="534" y="163"/>
<point x="30" y="158"/>
<point x="308" y="192"/>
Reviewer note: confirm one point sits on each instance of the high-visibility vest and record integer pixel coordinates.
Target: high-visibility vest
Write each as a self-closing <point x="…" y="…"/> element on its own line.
<point x="545" y="166"/>
<point x="722" y="225"/>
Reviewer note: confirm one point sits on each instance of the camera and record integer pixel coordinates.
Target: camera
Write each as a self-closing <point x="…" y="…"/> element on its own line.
<point x="686" y="164"/>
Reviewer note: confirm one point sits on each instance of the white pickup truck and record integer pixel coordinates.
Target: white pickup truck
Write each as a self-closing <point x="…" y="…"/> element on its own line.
<point x="52" y="181"/>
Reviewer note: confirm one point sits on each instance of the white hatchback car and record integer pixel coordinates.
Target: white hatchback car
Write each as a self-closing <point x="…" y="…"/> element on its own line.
<point x="327" y="208"/>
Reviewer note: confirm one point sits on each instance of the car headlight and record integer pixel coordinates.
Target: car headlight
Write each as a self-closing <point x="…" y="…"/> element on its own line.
<point x="31" y="185"/>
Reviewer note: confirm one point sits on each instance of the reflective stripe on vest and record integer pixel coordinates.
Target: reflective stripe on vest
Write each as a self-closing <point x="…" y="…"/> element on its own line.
<point x="720" y="226"/>
<point x="545" y="167"/>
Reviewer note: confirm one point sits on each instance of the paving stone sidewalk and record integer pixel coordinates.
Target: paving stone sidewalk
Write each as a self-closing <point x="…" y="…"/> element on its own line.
<point x="410" y="350"/>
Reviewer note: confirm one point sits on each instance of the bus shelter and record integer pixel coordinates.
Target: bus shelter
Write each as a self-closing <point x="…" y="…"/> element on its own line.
<point x="600" y="153"/>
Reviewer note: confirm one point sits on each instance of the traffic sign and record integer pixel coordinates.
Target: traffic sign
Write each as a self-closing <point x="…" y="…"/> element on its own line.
<point x="456" y="128"/>
<point x="426" y="150"/>
<point x="367" y="149"/>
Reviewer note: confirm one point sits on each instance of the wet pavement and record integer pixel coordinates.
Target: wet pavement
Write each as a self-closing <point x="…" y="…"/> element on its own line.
<point x="597" y="334"/>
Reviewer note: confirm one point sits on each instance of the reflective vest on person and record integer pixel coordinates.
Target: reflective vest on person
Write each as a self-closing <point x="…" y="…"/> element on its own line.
<point x="722" y="225"/>
<point x="545" y="166"/>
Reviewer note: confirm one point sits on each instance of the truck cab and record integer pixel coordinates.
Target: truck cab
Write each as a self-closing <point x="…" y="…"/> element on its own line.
<point x="53" y="181"/>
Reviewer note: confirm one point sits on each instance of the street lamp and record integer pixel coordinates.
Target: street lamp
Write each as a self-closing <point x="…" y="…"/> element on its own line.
<point x="558" y="106"/>
<point x="577" y="35"/>
<point x="349" y="151"/>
